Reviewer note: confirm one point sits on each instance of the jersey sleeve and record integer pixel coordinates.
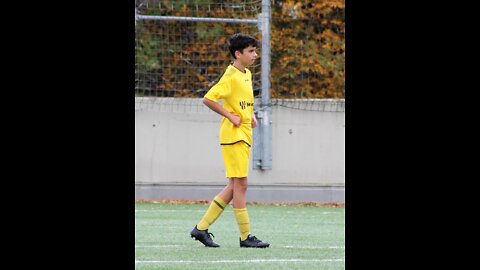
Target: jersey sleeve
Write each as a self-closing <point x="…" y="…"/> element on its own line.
<point x="219" y="90"/>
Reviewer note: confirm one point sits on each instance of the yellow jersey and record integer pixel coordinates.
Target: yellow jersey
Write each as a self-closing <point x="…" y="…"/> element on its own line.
<point x="236" y="92"/>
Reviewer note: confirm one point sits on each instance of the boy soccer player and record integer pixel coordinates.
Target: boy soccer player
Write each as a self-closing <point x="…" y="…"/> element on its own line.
<point x="236" y="92"/>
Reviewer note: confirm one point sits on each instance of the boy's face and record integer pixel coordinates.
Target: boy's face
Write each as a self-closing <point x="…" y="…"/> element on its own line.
<point x="248" y="56"/>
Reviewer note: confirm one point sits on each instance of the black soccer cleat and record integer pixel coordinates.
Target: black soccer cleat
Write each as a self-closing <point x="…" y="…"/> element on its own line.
<point x="253" y="242"/>
<point x="204" y="237"/>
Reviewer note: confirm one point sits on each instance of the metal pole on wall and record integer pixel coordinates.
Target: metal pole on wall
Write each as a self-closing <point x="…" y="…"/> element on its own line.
<point x="262" y="150"/>
<point x="262" y="135"/>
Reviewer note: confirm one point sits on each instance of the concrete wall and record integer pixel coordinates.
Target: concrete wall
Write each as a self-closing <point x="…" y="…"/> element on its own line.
<point x="177" y="145"/>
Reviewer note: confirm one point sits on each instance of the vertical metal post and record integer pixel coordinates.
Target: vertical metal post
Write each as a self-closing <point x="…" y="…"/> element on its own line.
<point x="262" y="150"/>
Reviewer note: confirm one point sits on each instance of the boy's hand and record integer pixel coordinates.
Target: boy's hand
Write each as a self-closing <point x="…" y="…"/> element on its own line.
<point x="254" y="121"/>
<point x="236" y="120"/>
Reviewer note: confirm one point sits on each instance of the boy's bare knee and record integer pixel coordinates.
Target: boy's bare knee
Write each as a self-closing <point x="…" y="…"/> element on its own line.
<point x="240" y="185"/>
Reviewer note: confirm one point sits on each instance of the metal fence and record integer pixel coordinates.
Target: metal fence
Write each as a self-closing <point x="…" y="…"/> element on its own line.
<point x="181" y="49"/>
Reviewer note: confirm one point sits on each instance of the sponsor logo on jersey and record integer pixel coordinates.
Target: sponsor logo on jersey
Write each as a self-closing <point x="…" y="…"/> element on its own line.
<point x="245" y="104"/>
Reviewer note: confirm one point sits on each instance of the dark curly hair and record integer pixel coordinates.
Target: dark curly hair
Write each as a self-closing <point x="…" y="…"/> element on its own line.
<point x="238" y="42"/>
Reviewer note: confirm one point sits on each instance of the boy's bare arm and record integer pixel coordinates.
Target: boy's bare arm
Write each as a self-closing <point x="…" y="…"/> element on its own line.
<point x="254" y="120"/>
<point x="214" y="106"/>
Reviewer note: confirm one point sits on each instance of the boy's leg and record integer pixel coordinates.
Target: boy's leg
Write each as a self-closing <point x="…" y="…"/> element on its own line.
<point x="216" y="207"/>
<point x="240" y="206"/>
<point x="200" y="232"/>
<point x="227" y="193"/>
<point x="241" y="214"/>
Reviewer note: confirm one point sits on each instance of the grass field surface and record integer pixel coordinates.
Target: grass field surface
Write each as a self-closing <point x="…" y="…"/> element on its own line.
<point x="300" y="237"/>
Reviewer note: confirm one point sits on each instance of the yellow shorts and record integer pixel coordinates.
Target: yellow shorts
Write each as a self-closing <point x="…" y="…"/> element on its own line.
<point x="236" y="157"/>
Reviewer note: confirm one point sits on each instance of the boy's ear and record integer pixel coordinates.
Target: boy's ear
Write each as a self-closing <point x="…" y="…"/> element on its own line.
<point x="237" y="54"/>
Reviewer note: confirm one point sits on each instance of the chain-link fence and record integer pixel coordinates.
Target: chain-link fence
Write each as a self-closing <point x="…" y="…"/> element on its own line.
<point x="183" y="53"/>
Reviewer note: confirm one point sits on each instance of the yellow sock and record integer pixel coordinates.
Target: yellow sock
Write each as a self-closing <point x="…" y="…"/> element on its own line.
<point x="243" y="222"/>
<point x="213" y="212"/>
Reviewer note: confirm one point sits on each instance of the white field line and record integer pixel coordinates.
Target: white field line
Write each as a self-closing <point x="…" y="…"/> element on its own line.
<point x="334" y="247"/>
<point x="242" y="261"/>
<point x="296" y="212"/>
<point x="203" y="210"/>
<point x="178" y="246"/>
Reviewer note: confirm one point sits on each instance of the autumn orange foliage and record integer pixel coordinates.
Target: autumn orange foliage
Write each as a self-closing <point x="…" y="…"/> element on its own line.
<point x="307" y="48"/>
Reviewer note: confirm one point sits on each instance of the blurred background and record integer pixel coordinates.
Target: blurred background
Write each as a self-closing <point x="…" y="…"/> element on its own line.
<point x="181" y="49"/>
